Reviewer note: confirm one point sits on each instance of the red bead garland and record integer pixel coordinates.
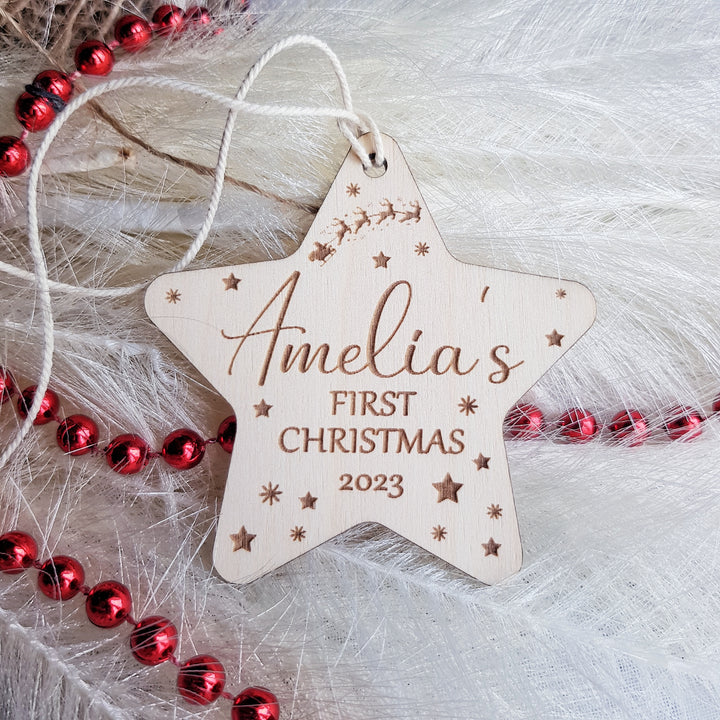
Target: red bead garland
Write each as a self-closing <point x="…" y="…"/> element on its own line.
<point x="255" y="703"/>
<point x="77" y="435"/>
<point x="61" y="577"/>
<point x="7" y="386"/>
<point x="683" y="423"/>
<point x="48" y="407"/>
<point x="226" y="433"/>
<point x="153" y="640"/>
<point x="525" y="422"/>
<point x="577" y="425"/>
<point x="55" y="82"/>
<point x="94" y="57"/>
<point x="18" y="551"/>
<point x="127" y="454"/>
<point x="183" y="449"/>
<point x="108" y="604"/>
<point x="201" y="679"/>
<point x="133" y="33"/>
<point x="14" y="156"/>
<point x="168" y="19"/>
<point x="630" y="427"/>
<point x="34" y="113"/>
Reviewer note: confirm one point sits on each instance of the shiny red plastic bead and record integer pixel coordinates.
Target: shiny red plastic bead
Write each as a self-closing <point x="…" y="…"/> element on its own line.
<point x="127" y="454"/>
<point x="577" y="425"/>
<point x="226" y="433"/>
<point x="34" y="113"/>
<point x="255" y="703"/>
<point x="48" y="407"/>
<point x="61" y="577"/>
<point x="14" y="156"/>
<point x="55" y="82"/>
<point x="183" y="449"/>
<point x="153" y="640"/>
<point x="197" y="15"/>
<point x="7" y="385"/>
<point x="201" y="679"/>
<point x="524" y="422"/>
<point x="93" y="57"/>
<point x="108" y="604"/>
<point x="77" y="435"/>
<point x="18" y="551"/>
<point x="133" y="33"/>
<point x="629" y="427"/>
<point x="683" y="423"/>
<point x="168" y="19"/>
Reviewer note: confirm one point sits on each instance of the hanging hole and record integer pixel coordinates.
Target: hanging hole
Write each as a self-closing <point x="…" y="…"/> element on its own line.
<point x="375" y="171"/>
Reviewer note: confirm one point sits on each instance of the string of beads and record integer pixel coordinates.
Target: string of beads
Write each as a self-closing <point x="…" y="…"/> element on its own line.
<point x="153" y="640"/>
<point x="51" y="90"/>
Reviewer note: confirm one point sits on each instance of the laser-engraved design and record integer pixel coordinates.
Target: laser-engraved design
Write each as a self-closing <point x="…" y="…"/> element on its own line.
<point x="413" y="214"/>
<point x="362" y="220"/>
<point x="343" y="229"/>
<point x="439" y="532"/>
<point x="447" y="489"/>
<point x="491" y="547"/>
<point x="422" y="249"/>
<point x="352" y="189"/>
<point x="468" y="405"/>
<point x="173" y="296"/>
<point x="388" y="213"/>
<point x="560" y="294"/>
<point x="482" y="462"/>
<point x="554" y="338"/>
<point x="321" y="252"/>
<point x="381" y="260"/>
<point x="262" y="409"/>
<point x="231" y="282"/>
<point x="494" y="511"/>
<point x="307" y="501"/>
<point x="241" y="540"/>
<point x="297" y="534"/>
<point x="484" y="293"/>
<point x="271" y="493"/>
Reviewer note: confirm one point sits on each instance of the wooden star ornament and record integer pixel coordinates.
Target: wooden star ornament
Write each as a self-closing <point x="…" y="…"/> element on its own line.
<point x="384" y="383"/>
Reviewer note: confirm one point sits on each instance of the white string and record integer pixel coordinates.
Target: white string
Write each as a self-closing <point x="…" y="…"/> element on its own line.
<point x="350" y="123"/>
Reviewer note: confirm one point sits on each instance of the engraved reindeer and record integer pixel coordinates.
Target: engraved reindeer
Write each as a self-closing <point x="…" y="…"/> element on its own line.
<point x="321" y="252"/>
<point x="413" y="214"/>
<point x="388" y="212"/>
<point x="343" y="229"/>
<point x="362" y="219"/>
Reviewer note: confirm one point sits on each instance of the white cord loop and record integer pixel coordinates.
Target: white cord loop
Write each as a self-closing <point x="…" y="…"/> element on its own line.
<point x="350" y="123"/>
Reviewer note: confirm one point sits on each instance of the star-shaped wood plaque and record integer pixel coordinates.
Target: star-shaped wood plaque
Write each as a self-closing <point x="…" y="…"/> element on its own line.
<point x="370" y="373"/>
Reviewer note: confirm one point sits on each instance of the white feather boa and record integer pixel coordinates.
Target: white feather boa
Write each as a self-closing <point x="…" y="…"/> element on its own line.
<point x="579" y="139"/>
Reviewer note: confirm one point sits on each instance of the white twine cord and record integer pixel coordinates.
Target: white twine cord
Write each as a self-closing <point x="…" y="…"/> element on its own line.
<point x="350" y="122"/>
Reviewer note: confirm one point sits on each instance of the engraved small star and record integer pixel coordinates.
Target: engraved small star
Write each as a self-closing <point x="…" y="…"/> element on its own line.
<point x="381" y="260"/>
<point x="491" y="547"/>
<point x="422" y="249"/>
<point x="494" y="512"/>
<point x="297" y="534"/>
<point x="439" y="533"/>
<point x="241" y="540"/>
<point x="482" y="462"/>
<point x="173" y="296"/>
<point x="447" y="489"/>
<point x="307" y="501"/>
<point x="262" y="409"/>
<point x="352" y="190"/>
<point x="231" y="282"/>
<point x="554" y="338"/>
<point x="560" y="294"/>
<point x="467" y="405"/>
<point x="271" y="493"/>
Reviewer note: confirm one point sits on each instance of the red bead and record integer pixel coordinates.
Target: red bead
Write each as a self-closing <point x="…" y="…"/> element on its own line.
<point x="77" y="435"/>
<point x="524" y="422"/>
<point x="577" y="425"/>
<point x="183" y="449"/>
<point x="93" y="57"/>
<point x="201" y="679"/>
<point x="133" y="33"/>
<point x="14" y="156"/>
<point x="226" y="433"/>
<point x="629" y="427"/>
<point x="18" y="551"/>
<point x="48" y="407"/>
<point x="127" y="454"/>
<point x="255" y="703"/>
<point x="61" y="577"/>
<point x="683" y="423"/>
<point x="153" y="640"/>
<point x="34" y="113"/>
<point x="55" y="82"/>
<point x="198" y="15"/>
<point x="7" y="386"/>
<point x="108" y="604"/>
<point x="168" y="19"/>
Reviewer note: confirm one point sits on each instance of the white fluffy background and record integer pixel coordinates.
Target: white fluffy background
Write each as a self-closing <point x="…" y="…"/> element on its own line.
<point x="571" y="138"/>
